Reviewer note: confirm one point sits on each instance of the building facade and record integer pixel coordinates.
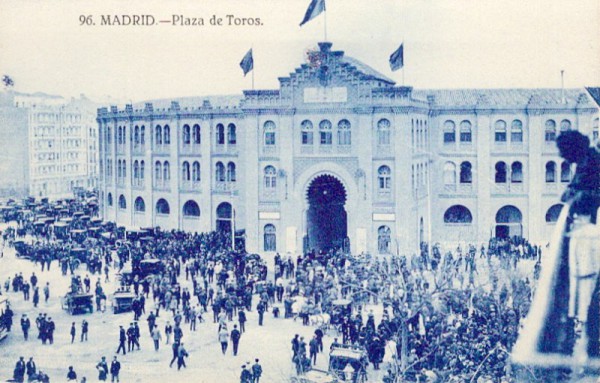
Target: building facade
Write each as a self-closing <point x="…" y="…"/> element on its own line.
<point x="55" y="141"/>
<point x="340" y="156"/>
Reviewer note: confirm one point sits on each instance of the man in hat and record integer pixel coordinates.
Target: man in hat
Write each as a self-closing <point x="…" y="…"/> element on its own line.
<point x="31" y="369"/>
<point x="256" y="371"/>
<point x="115" y="367"/>
<point x="122" y="338"/>
<point x="235" y="339"/>
<point x="102" y="367"/>
<point x="246" y="375"/>
<point x="19" y="372"/>
<point x="25" y="325"/>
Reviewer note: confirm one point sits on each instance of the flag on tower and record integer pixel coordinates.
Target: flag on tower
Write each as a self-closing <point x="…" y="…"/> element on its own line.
<point x="247" y="62"/>
<point x="314" y="9"/>
<point x="397" y="58"/>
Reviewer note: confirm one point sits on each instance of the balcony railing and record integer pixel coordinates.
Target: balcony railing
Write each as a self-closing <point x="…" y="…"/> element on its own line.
<point x="190" y="186"/>
<point x="224" y="187"/>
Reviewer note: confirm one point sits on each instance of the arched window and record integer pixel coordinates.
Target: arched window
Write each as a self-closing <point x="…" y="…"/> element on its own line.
<point x="516" y="172"/>
<point x="269" y="133"/>
<point x="122" y="202"/>
<point x="325" y="132"/>
<point x="143" y="135"/>
<point x="158" y="170"/>
<point x="185" y="171"/>
<point x="553" y="213"/>
<point x="500" y="172"/>
<point x="509" y="214"/>
<point x="500" y="131"/>
<point x="231" y="172"/>
<point x="139" y="205"/>
<point x="384" y="175"/>
<point x="136" y="170"/>
<point x="565" y="172"/>
<point x="458" y="214"/>
<point x="166" y="171"/>
<point x="220" y="172"/>
<point x="108" y="135"/>
<point x="449" y="131"/>
<point x="595" y="130"/>
<point x="196" y="134"/>
<point x="158" y="135"/>
<point x="162" y="207"/>
<point x="550" y="131"/>
<point x="550" y="171"/>
<point x="270" y="177"/>
<point x="465" y="131"/>
<point x="516" y="131"/>
<point x="166" y="135"/>
<point x="186" y="135"/>
<point x="109" y="199"/>
<point x="270" y="238"/>
<point x="384" y="240"/>
<point x="196" y="171"/>
<point x="383" y="132"/>
<point x="124" y="171"/>
<point x="307" y="132"/>
<point x="142" y="169"/>
<point x="136" y="135"/>
<point x="466" y="176"/>
<point x="220" y="134"/>
<point x="120" y="135"/>
<point x="344" y="133"/>
<point x="191" y="209"/>
<point x="118" y="168"/>
<point x="565" y="125"/>
<point x="231" y="135"/>
<point x="449" y="174"/>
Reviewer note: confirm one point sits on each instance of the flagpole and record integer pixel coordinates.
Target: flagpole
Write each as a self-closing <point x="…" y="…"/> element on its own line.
<point x="252" y="49"/>
<point x="325" y="23"/>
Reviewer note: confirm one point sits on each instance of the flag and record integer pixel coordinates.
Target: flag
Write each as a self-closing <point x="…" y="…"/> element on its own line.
<point x="314" y="9"/>
<point x="247" y="62"/>
<point x="8" y="82"/>
<point x="397" y="58"/>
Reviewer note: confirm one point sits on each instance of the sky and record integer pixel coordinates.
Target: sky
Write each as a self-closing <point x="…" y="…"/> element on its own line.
<point x="447" y="44"/>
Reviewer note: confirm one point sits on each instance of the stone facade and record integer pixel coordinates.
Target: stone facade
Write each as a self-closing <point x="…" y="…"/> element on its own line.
<point x="415" y="165"/>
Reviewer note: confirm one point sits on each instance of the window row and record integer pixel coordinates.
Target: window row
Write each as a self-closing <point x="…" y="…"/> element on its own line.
<point x="465" y="131"/>
<point x="419" y="133"/>
<point x="465" y="175"/>
<point x="194" y="175"/>
<point x="551" y="170"/>
<point x="190" y="208"/>
<point x="503" y="172"/>
<point x="508" y="214"/>
<point x="550" y="129"/>
<point x="325" y="134"/>
<point x="225" y="175"/>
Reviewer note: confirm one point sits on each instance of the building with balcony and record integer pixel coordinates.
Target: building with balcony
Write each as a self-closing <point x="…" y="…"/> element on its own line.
<point x="50" y="145"/>
<point x="341" y="156"/>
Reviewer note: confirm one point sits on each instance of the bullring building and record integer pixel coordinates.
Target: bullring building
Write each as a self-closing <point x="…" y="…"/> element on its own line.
<point x="339" y="155"/>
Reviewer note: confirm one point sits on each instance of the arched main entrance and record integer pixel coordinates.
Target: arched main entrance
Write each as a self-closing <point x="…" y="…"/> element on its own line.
<point x="327" y="221"/>
<point x="509" y="222"/>
<point x="224" y="217"/>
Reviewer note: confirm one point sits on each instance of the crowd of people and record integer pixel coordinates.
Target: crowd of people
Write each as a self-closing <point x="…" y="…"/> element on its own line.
<point x="436" y="315"/>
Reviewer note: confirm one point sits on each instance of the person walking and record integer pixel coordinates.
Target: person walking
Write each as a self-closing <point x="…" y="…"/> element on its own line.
<point x="261" y="312"/>
<point x="242" y="319"/>
<point x="256" y="371"/>
<point x="46" y="292"/>
<point x="224" y="339"/>
<point x="181" y="355"/>
<point x="115" y="367"/>
<point x="122" y="339"/>
<point x="175" y="349"/>
<point x="36" y="296"/>
<point x="84" y="330"/>
<point x="235" y="339"/>
<point x="73" y="332"/>
<point x="25" y="325"/>
<point x="156" y="337"/>
<point x="19" y="371"/>
<point x="102" y="368"/>
<point x="313" y="349"/>
<point x="168" y="332"/>
<point x="31" y="369"/>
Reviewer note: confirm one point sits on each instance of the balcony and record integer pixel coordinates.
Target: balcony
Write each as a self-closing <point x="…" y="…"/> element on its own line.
<point x="162" y="149"/>
<point x="138" y="150"/>
<point x="191" y="186"/>
<point x="509" y="188"/>
<point x="269" y="150"/>
<point x="226" y="149"/>
<point x="190" y="149"/>
<point x="163" y="185"/>
<point x="224" y="187"/>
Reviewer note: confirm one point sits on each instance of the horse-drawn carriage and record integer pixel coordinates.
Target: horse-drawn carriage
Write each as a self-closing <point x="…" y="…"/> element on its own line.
<point x="78" y="303"/>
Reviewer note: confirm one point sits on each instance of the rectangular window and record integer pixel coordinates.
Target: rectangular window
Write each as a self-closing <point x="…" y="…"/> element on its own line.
<point x="270" y="138"/>
<point x="449" y="137"/>
<point x="500" y="137"/>
<point x="307" y="138"/>
<point x="325" y="138"/>
<point x="516" y="136"/>
<point x="465" y="136"/>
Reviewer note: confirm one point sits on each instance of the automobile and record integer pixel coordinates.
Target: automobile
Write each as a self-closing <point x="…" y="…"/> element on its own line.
<point x="122" y="301"/>
<point x="78" y="303"/>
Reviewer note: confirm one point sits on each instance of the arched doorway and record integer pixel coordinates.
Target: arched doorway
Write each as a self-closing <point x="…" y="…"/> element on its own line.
<point x="224" y="217"/>
<point x="509" y="222"/>
<point x="327" y="221"/>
